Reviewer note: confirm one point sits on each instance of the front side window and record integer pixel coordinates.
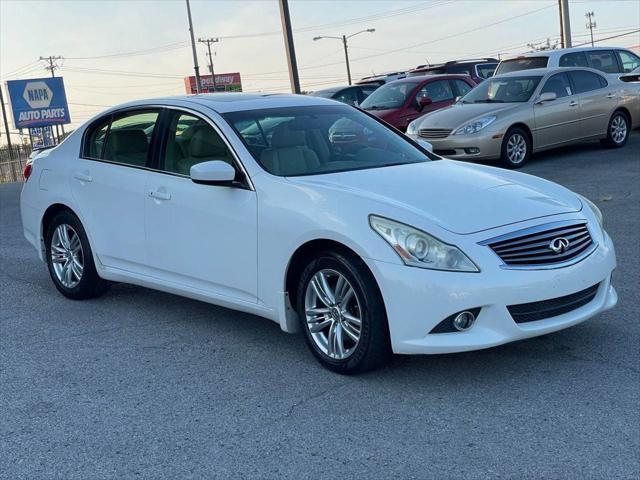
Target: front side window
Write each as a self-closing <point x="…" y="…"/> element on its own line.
<point x="558" y="84"/>
<point x="628" y="60"/>
<point x="314" y="140"/>
<point x="462" y="87"/>
<point x="603" y="60"/>
<point x="574" y="59"/>
<point x="503" y="90"/>
<point x="519" y="64"/>
<point x="191" y="140"/>
<point x="438" y="91"/>
<point x="94" y="141"/>
<point x="586" y="81"/>
<point x="129" y="138"/>
<point x="390" y="95"/>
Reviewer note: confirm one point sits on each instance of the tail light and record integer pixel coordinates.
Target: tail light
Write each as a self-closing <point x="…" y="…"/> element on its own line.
<point x="27" y="171"/>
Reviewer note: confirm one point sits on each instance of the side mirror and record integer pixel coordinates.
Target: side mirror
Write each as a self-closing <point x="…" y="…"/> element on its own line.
<point x="424" y="102"/>
<point x="547" y="97"/>
<point x="457" y="99"/>
<point x="214" y="172"/>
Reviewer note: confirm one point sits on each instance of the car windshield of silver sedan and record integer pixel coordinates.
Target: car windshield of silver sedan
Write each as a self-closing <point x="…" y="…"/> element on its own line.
<point x="503" y="90"/>
<point x="391" y="95"/>
<point x="313" y="140"/>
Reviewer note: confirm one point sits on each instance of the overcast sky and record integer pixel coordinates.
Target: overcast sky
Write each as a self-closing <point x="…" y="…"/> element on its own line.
<point x="145" y="52"/>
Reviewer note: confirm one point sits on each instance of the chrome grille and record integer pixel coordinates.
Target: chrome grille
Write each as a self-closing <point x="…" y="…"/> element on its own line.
<point x="535" y="246"/>
<point x="434" y="132"/>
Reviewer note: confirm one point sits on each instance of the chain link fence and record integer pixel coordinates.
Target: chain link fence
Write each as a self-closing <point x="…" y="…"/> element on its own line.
<point x="11" y="166"/>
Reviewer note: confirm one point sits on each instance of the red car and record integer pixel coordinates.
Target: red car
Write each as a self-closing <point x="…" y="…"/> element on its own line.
<point x="402" y="101"/>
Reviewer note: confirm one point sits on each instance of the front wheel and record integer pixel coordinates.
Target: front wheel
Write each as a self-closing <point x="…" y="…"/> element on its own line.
<point x="617" y="131"/>
<point x="342" y="314"/>
<point x="516" y="148"/>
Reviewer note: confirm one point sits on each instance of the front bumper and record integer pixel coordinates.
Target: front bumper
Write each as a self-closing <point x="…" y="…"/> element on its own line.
<point x="483" y="146"/>
<point x="417" y="300"/>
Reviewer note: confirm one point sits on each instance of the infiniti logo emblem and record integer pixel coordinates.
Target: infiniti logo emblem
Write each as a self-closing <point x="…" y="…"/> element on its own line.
<point x="559" y="245"/>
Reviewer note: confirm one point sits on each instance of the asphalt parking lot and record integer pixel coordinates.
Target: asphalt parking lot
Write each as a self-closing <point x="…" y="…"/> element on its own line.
<point x="142" y="384"/>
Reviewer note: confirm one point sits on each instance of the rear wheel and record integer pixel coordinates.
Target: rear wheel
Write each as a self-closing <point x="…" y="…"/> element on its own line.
<point x="342" y="314"/>
<point x="617" y="131"/>
<point x="516" y="148"/>
<point x="70" y="260"/>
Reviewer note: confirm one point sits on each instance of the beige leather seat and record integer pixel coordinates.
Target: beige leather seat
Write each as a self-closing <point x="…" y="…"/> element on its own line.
<point x="289" y="154"/>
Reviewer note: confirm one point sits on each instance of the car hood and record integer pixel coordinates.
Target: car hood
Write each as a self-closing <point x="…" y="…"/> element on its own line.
<point x="455" y="115"/>
<point x="459" y="197"/>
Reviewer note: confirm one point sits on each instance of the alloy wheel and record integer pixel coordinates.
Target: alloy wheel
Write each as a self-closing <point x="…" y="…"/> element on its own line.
<point x="66" y="255"/>
<point x="333" y="314"/>
<point x="618" y="129"/>
<point x="516" y="148"/>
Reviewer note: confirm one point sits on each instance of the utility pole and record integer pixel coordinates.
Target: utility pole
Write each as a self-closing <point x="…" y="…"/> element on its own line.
<point x="565" y="23"/>
<point x="288" y="43"/>
<point x="6" y="124"/>
<point x="591" y="24"/>
<point x="344" y="39"/>
<point x="193" y="49"/>
<point x="209" y="41"/>
<point x="52" y="66"/>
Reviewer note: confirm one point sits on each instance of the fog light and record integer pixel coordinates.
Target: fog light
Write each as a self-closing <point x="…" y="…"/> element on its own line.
<point x="471" y="151"/>
<point x="464" y="321"/>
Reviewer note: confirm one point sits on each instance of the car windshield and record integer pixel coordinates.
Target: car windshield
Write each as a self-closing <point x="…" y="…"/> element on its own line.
<point x="519" y="64"/>
<point x="329" y="93"/>
<point x="503" y="90"/>
<point x="390" y="95"/>
<point x="313" y="140"/>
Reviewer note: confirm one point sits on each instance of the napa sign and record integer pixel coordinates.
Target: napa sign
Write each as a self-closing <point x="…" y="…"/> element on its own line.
<point x="38" y="102"/>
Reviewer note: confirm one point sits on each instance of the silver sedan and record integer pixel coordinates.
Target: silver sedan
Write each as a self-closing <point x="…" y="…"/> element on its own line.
<point x="511" y="116"/>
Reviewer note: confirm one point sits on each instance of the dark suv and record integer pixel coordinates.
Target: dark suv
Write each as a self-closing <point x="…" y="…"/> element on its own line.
<point x="478" y="69"/>
<point x="351" y="95"/>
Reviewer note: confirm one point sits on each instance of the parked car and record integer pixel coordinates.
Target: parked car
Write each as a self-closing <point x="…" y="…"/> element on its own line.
<point x="399" y="103"/>
<point x="513" y="115"/>
<point x="364" y="243"/>
<point x="351" y="95"/>
<point x="478" y="69"/>
<point x="381" y="79"/>
<point x="612" y="61"/>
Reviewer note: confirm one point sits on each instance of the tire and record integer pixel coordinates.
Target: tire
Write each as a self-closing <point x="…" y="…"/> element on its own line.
<point x="516" y="148"/>
<point x="618" y="130"/>
<point x="358" y="297"/>
<point x="70" y="259"/>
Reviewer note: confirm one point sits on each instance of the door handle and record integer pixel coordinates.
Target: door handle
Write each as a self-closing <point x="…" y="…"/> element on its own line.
<point x="158" y="195"/>
<point x="611" y="95"/>
<point x="83" y="177"/>
<point x="573" y="104"/>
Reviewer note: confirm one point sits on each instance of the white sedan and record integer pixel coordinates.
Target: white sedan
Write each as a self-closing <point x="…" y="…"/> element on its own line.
<point x="319" y="217"/>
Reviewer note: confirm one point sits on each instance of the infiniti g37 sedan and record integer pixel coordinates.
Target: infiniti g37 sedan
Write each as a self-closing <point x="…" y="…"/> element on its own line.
<point x="319" y="217"/>
<point x="511" y="116"/>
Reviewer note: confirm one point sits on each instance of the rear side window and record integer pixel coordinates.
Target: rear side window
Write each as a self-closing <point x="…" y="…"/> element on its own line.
<point x="129" y="138"/>
<point x="603" y="60"/>
<point x="575" y="59"/>
<point x="348" y="96"/>
<point x="518" y="64"/>
<point x="586" y="81"/>
<point x="628" y="60"/>
<point x="485" y="70"/>
<point x="438" y="91"/>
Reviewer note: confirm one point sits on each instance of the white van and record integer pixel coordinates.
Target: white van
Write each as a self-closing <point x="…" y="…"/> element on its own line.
<point x="610" y="60"/>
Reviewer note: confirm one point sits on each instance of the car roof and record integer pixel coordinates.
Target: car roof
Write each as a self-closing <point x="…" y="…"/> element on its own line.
<point x="428" y="77"/>
<point x="233" y="102"/>
<point x="533" y="72"/>
<point x="558" y="52"/>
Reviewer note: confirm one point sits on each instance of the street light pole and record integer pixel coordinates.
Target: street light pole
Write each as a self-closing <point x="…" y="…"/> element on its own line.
<point x="52" y="66"/>
<point x="344" y="39"/>
<point x="591" y="24"/>
<point x="285" y="18"/>
<point x="209" y="41"/>
<point x="193" y="49"/>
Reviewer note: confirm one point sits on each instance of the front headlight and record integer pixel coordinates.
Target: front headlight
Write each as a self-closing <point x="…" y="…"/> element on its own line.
<point x="594" y="208"/>
<point x="412" y="128"/>
<point x="475" y="126"/>
<point x="419" y="249"/>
